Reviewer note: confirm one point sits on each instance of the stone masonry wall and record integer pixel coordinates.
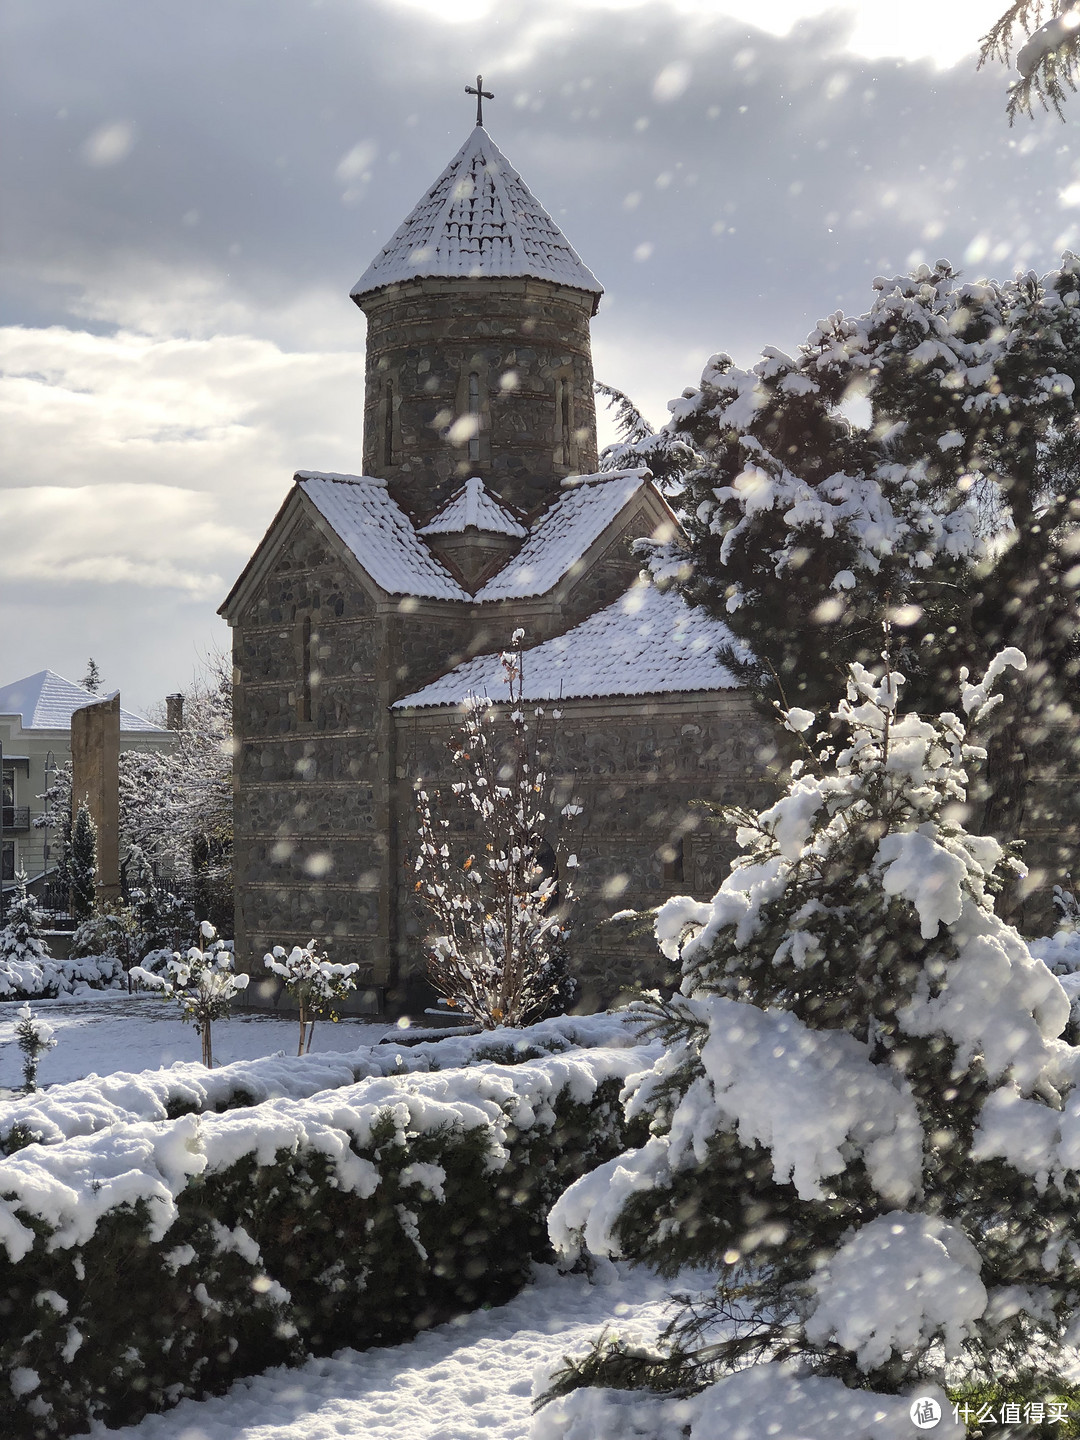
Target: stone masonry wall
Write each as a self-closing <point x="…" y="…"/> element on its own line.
<point x="636" y="767"/>
<point x="310" y="841"/>
<point x="524" y="339"/>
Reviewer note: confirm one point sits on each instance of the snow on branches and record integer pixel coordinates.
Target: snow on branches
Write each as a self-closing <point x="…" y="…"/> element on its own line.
<point x="865" y="1115"/>
<point x="314" y="982"/>
<point x="500" y="919"/>
<point x="202" y="982"/>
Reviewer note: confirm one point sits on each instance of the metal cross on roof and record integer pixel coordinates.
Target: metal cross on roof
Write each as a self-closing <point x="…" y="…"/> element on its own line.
<point x="481" y="95"/>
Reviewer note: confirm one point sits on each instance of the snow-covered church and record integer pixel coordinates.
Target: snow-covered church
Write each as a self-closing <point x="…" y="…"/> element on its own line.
<point x="376" y="602"/>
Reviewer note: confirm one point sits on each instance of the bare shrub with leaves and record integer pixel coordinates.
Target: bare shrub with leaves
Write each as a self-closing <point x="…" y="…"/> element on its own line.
<point x="497" y="949"/>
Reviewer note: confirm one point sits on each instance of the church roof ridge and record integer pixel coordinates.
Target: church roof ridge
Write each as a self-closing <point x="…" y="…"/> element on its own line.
<point x="478" y="219"/>
<point x="474" y="505"/>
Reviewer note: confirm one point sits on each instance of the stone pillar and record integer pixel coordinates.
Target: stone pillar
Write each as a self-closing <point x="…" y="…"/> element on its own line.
<point x="95" y="783"/>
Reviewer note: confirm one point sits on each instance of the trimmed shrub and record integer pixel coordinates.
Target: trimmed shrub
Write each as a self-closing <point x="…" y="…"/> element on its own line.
<point x="159" y="1261"/>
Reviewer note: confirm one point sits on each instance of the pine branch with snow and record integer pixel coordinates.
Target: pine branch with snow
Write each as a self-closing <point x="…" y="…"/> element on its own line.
<point x="499" y="917"/>
<point x="1048" y="58"/>
<point x="865" y="1117"/>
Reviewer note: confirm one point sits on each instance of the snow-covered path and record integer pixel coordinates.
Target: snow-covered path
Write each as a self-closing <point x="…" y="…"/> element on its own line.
<point x="469" y="1380"/>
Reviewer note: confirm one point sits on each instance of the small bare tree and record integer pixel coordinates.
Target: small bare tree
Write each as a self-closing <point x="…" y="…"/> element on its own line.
<point x="316" y="984"/>
<point x="500" y="917"/>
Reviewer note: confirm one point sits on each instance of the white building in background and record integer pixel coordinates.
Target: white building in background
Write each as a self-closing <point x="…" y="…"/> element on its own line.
<point x="35" y="739"/>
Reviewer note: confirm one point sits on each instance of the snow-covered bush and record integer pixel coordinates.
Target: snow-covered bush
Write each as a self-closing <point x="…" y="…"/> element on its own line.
<point x="87" y="1106"/>
<point x="497" y="949"/>
<point x="865" y="1119"/>
<point x="154" y="1261"/>
<point x="202" y="982"/>
<point x="314" y="982"/>
<point x="1061" y="953"/>
<point x="33" y="1037"/>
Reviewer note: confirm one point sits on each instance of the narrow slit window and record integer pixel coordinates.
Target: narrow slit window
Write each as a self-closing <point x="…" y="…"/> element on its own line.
<point x="306" y="661"/>
<point x="474" y="411"/>
<point x="562" y="421"/>
<point x="673" y="856"/>
<point x="388" y="424"/>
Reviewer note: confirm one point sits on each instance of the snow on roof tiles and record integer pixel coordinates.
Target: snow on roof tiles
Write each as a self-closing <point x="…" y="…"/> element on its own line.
<point x="473" y="506"/>
<point x="45" y="701"/>
<point x="379" y="534"/>
<point x="478" y="219"/>
<point x="563" y="534"/>
<point x="649" y="642"/>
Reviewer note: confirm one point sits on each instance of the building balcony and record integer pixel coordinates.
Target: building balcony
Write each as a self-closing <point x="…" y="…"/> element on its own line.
<point x="15" y="817"/>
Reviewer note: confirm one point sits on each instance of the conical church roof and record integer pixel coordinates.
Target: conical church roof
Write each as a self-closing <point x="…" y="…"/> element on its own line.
<point x="478" y="219"/>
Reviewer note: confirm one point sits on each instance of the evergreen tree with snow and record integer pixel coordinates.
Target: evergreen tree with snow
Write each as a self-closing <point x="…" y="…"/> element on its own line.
<point x="81" y="864"/>
<point x="864" y="1117"/>
<point x="33" y="1037"/>
<point x="949" y="507"/>
<point x="21" y="939"/>
<point x="92" y="679"/>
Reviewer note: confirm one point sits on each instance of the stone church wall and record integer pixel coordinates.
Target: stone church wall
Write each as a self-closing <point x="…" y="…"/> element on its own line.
<point x="637" y="768"/>
<point x="310" y="828"/>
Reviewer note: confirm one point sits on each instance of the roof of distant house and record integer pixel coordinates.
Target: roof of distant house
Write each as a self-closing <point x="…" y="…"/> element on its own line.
<point x="478" y="219"/>
<point x="649" y="642"/>
<point x="379" y="534"/>
<point x="473" y="506"/>
<point x="45" y="701"/>
<point x="563" y="534"/>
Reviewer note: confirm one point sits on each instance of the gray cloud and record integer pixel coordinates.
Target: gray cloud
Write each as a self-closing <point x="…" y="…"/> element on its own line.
<point x="219" y="175"/>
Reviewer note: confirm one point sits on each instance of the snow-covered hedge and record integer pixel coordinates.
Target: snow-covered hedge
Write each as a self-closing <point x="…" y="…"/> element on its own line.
<point x="46" y="978"/>
<point x="157" y="1260"/>
<point x="85" y="1107"/>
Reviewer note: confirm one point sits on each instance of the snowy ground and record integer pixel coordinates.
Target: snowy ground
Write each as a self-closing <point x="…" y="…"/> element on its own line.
<point x="116" y="1031"/>
<point x="469" y="1380"/>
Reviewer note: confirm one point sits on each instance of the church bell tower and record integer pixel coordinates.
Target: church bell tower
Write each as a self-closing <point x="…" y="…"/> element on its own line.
<point x="479" y="361"/>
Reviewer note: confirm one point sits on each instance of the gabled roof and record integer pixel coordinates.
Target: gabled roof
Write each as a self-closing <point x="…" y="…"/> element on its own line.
<point x="473" y="506"/>
<point x="564" y="533"/>
<point x="45" y="701"/>
<point x="379" y="534"/>
<point x="649" y="642"/>
<point x="478" y="219"/>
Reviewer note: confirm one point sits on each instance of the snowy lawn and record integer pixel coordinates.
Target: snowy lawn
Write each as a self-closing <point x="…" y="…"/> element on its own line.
<point x="469" y="1380"/>
<point x="110" y="1031"/>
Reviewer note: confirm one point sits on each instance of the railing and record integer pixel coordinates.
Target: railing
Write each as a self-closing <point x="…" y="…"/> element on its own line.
<point x="16" y="817"/>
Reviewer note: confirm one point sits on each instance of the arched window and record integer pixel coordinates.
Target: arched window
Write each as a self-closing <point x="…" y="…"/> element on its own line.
<point x="474" y="411"/>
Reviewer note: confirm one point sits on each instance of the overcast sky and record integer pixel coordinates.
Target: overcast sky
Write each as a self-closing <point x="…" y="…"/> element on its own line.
<point x="192" y="186"/>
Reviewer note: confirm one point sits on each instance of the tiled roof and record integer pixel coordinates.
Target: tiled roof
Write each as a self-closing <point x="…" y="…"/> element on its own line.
<point x="473" y="506"/>
<point x="478" y="219"/>
<point x="45" y="701"/>
<point x="649" y="642"/>
<point x="563" y="534"/>
<point x="379" y="534"/>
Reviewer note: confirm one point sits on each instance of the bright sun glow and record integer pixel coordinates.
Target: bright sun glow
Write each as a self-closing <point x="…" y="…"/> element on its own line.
<point x="920" y="29"/>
